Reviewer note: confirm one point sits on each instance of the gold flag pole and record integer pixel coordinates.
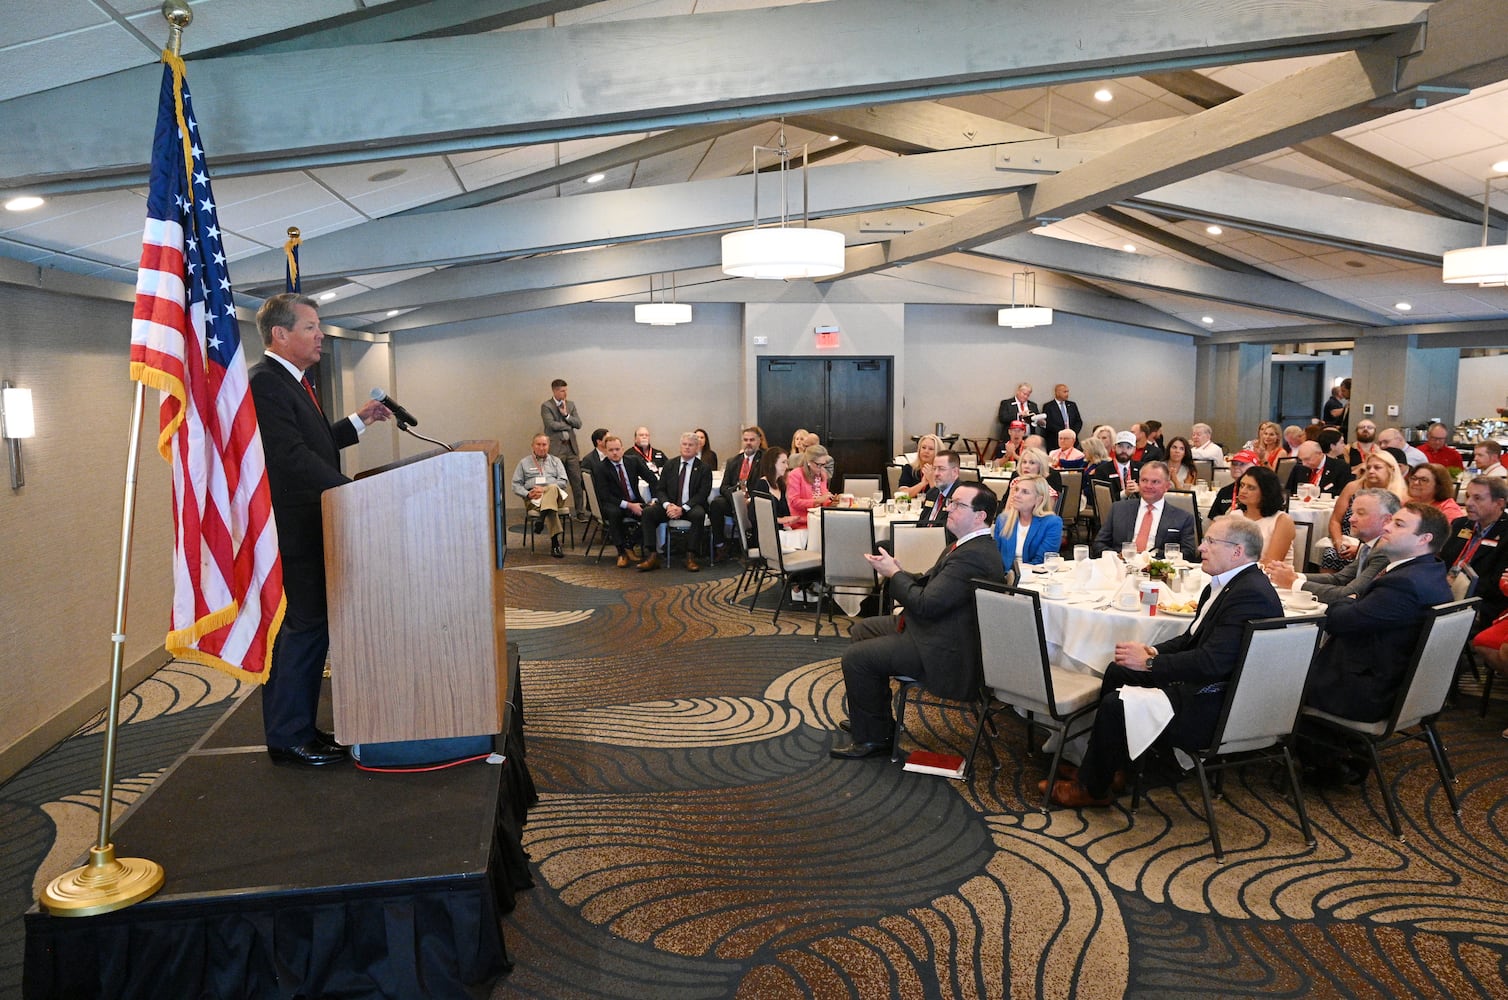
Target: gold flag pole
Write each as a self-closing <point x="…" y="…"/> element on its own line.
<point x="105" y="882"/>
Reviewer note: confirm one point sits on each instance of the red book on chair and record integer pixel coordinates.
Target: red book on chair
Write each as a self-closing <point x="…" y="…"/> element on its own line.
<point x="949" y="765"/>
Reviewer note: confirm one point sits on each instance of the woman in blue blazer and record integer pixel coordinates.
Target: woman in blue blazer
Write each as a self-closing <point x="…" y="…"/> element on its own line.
<point x="1027" y="529"/>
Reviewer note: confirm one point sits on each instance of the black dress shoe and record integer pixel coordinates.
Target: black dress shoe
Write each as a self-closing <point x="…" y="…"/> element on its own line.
<point x="858" y="751"/>
<point x="312" y="754"/>
<point x="327" y="738"/>
<point x="846" y="726"/>
<point x="555" y="550"/>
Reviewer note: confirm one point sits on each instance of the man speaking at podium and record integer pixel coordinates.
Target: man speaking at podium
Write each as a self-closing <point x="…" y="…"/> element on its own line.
<point x="301" y="448"/>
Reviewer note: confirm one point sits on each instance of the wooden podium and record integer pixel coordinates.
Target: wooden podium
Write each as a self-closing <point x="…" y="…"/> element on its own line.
<point x="417" y="640"/>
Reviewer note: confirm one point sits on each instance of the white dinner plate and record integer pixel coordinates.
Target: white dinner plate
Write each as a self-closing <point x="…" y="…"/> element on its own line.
<point x="1161" y="611"/>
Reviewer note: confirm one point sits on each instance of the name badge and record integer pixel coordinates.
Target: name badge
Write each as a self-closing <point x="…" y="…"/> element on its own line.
<point x="540" y="480"/>
<point x="1489" y="543"/>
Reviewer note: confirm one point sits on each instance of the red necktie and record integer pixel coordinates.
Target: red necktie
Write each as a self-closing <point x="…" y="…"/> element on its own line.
<point x="628" y="491"/>
<point x="743" y="474"/>
<point x="309" y="388"/>
<point x="1314" y="477"/>
<point x="1144" y="533"/>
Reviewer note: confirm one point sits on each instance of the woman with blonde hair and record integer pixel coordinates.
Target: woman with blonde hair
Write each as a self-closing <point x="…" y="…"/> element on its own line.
<point x="1027" y="529"/>
<point x="1379" y="471"/>
<point x="807" y="486"/>
<point x="1034" y="463"/>
<point x="1268" y="444"/>
<point x="916" y="478"/>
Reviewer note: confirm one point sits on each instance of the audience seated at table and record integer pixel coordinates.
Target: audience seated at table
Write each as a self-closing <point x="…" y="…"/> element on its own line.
<point x="1437" y="449"/>
<point x="1190" y="669"/>
<point x="1106" y="435"/>
<point x="704" y="451"/>
<point x="1259" y="498"/>
<point x="1371" y="510"/>
<point x="1225" y="497"/>
<point x="916" y="478"/>
<point x="1313" y="468"/>
<point x="1015" y="442"/>
<point x="807" y="485"/>
<point x="1380" y="471"/>
<point x="1120" y="470"/>
<point x="771" y="483"/>
<point x="1034" y="463"/>
<point x="1204" y="448"/>
<point x="1364" y="445"/>
<point x="1487" y="459"/>
<point x="1181" y="464"/>
<point x="1430" y="483"/>
<point x="1027" y="529"/>
<point x="1480" y="541"/>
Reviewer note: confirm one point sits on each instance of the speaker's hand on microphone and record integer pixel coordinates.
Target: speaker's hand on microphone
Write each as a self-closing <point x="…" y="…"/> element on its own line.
<point x="374" y="411"/>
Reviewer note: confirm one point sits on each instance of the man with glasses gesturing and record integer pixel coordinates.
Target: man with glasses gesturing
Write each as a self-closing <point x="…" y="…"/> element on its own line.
<point x="932" y="639"/>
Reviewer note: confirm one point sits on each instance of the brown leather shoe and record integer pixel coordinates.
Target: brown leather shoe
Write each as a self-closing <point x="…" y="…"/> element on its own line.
<point x="653" y="562"/>
<point x="1072" y="795"/>
<point x="692" y="565"/>
<point x="623" y="560"/>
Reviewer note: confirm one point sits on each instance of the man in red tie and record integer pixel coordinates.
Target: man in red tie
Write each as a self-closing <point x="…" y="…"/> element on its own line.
<point x="1148" y="520"/>
<point x="933" y="641"/>
<point x="618" y="492"/>
<point x="741" y="470"/>
<point x="1329" y="475"/>
<point x="681" y="494"/>
<point x="301" y="449"/>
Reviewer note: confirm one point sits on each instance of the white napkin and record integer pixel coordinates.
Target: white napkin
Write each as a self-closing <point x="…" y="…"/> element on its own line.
<point x="1148" y="713"/>
<point x="1109" y="571"/>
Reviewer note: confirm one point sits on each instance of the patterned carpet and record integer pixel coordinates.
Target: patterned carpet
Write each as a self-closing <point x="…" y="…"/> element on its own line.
<point x="694" y="840"/>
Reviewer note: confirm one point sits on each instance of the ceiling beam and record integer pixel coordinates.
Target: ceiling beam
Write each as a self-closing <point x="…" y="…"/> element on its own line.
<point x="918" y="127"/>
<point x="1333" y="220"/>
<point x="402" y="98"/>
<point x="631" y="152"/>
<point x="1337" y="153"/>
<point x="1178" y="277"/>
<point x="1179" y="244"/>
<point x="1339" y="92"/>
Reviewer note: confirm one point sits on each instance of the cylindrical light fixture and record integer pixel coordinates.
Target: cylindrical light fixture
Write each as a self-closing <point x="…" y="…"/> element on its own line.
<point x="782" y="253"/>
<point x="662" y="313"/>
<point x="1483" y="265"/>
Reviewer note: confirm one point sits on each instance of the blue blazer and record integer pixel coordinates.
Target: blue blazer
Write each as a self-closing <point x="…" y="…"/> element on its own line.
<point x="1043" y="535"/>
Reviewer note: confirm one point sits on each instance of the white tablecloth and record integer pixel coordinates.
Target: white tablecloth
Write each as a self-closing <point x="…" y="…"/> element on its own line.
<point x="1081" y="633"/>
<point x="882" y="522"/>
<point x="1317" y="514"/>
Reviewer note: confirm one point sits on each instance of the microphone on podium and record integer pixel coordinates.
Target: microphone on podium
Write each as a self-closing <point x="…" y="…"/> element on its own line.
<point x="404" y="417"/>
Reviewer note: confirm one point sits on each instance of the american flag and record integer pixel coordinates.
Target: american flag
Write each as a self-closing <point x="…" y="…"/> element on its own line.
<point x="185" y="342"/>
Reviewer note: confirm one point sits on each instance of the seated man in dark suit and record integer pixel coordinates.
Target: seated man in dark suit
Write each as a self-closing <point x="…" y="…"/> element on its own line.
<point x="1370" y="638"/>
<point x="1371" y="510"/>
<point x="1120" y="470"/>
<point x="1480" y="540"/>
<point x="739" y="474"/>
<point x="945" y="474"/>
<point x="1190" y="669"/>
<point x="1329" y="474"/>
<point x="681" y="493"/>
<point x="618" y="492"/>
<point x="932" y="639"/>
<point x="1149" y="521"/>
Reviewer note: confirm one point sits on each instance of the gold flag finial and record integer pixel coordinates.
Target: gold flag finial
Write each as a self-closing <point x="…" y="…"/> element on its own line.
<point x="178" y="16"/>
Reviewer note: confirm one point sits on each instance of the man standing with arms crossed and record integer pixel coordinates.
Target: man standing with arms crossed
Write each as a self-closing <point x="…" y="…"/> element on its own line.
<point x="561" y="421"/>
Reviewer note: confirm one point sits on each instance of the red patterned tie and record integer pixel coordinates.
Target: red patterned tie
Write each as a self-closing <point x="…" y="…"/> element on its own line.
<point x="309" y="388"/>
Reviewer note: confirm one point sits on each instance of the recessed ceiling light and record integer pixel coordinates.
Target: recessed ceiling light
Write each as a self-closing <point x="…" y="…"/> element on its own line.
<point x="393" y="312"/>
<point x="1501" y="166"/>
<point x="391" y="173"/>
<point x="1206" y="319"/>
<point x="1403" y="307"/>
<point x="596" y="178"/>
<point x="1103" y="95"/>
<point x="1213" y="230"/>
<point x="1129" y="247"/>
<point x="24" y="203"/>
<point x="326" y="296"/>
<point x="832" y="138"/>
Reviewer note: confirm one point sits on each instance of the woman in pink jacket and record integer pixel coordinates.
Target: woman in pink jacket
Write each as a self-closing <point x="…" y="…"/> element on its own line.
<point x="806" y="487"/>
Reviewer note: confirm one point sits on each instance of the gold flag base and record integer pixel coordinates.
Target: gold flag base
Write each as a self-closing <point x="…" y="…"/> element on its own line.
<point x="105" y="884"/>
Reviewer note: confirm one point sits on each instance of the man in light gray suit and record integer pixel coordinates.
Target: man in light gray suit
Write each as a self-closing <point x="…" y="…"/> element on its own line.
<point x="1371" y="510"/>
<point x="561" y="421"/>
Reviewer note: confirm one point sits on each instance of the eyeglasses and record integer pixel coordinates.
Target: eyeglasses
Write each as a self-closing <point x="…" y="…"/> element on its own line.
<point x="1422" y="479"/>
<point x="1218" y="541"/>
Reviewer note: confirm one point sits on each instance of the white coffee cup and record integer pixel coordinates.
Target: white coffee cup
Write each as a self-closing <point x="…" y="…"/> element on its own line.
<point x="1128" y="602"/>
<point x="1056" y="591"/>
<point x="1303" y="599"/>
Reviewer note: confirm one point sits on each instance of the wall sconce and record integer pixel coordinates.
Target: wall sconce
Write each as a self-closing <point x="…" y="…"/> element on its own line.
<point x="15" y="423"/>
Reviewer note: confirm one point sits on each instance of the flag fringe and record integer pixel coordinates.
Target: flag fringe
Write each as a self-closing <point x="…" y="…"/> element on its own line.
<point x="156" y="378"/>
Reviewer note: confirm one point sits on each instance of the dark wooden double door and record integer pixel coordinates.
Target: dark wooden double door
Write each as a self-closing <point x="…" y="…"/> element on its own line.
<point x="849" y="402"/>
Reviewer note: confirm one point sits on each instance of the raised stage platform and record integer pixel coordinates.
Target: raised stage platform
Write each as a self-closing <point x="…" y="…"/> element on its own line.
<point x="286" y="882"/>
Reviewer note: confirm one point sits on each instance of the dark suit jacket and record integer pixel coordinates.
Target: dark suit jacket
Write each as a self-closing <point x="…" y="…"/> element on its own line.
<point x="593" y="464"/>
<point x="1120" y="527"/>
<point x="1333" y="478"/>
<point x="939" y="615"/>
<point x="1055" y="419"/>
<point x="1221" y="505"/>
<point x="1207" y="654"/>
<point x="1108" y="472"/>
<point x="1009" y="411"/>
<point x="668" y="490"/>
<point x="734" y="467"/>
<point x="1152" y="452"/>
<point x="610" y="490"/>
<point x="1369" y="640"/>
<point x="301" y="449"/>
<point x="1488" y="562"/>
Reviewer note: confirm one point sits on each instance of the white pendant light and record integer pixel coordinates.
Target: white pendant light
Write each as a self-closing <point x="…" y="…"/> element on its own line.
<point x="782" y="252"/>
<point x="1481" y="265"/>
<point x="662" y="313"/>
<point x="1025" y="315"/>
